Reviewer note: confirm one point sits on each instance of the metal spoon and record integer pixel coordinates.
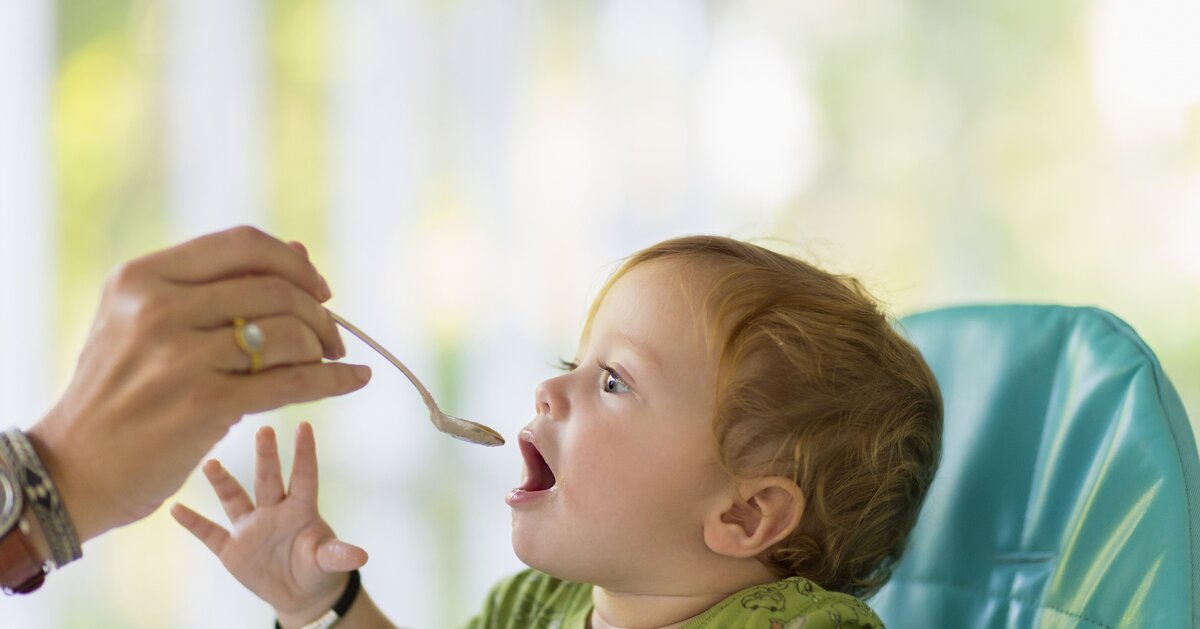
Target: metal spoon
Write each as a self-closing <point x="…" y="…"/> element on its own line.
<point x="456" y="427"/>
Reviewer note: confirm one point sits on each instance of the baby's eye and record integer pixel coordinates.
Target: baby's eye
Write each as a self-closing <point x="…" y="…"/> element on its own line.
<point x="613" y="383"/>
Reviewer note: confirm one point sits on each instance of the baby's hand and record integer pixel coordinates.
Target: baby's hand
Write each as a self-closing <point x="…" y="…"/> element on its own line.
<point x="280" y="549"/>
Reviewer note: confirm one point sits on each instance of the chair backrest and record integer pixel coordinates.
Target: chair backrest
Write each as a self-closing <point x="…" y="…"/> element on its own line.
<point x="1068" y="489"/>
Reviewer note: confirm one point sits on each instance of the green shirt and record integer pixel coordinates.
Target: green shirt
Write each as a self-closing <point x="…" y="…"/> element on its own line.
<point x="534" y="600"/>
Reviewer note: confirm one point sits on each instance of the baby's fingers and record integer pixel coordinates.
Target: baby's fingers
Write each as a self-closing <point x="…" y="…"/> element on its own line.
<point x="204" y="529"/>
<point x="303" y="484"/>
<point x="233" y="498"/>
<point x="268" y="481"/>
<point x="334" y="555"/>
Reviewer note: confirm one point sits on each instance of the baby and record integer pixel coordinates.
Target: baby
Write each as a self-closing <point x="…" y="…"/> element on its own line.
<point x="742" y="440"/>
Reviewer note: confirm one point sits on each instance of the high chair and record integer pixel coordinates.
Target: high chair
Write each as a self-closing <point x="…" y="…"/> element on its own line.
<point x="1068" y="493"/>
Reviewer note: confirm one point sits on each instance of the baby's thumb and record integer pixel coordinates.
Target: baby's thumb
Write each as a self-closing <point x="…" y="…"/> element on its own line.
<point x="334" y="555"/>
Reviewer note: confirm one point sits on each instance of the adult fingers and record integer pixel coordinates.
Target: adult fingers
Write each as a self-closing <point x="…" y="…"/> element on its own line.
<point x="260" y="296"/>
<point x="303" y="483"/>
<point x="299" y="247"/>
<point x="235" y="252"/>
<point x="334" y="555"/>
<point x="271" y="389"/>
<point x="286" y="341"/>
<point x="233" y="498"/>
<point x="268" y="479"/>
<point x="211" y="534"/>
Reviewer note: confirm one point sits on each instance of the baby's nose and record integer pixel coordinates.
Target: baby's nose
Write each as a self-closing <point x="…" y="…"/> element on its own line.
<point x="549" y="399"/>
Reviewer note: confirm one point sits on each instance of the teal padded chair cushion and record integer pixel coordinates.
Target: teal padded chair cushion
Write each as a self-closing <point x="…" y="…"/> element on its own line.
<point x="1067" y="492"/>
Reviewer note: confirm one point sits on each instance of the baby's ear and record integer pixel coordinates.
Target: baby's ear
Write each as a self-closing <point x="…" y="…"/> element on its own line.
<point x="762" y="512"/>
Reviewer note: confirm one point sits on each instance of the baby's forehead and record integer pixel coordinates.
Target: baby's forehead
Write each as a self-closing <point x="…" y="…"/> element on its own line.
<point x="661" y="287"/>
<point x="654" y="303"/>
<point x="680" y="281"/>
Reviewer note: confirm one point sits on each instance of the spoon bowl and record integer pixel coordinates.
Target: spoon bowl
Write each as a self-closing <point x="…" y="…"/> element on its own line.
<point x="465" y="429"/>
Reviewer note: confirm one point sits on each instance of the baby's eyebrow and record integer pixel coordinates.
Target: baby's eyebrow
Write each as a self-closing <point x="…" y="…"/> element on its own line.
<point x="641" y="348"/>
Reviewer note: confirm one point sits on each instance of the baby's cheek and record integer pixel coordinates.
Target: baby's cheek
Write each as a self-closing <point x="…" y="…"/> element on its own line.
<point x="607" y="477"/>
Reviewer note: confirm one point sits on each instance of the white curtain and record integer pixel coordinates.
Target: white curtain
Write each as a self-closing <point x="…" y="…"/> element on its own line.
<point x="215" y="54"/>
<point x="26" y="207"/>
<point x="26" y="223"/>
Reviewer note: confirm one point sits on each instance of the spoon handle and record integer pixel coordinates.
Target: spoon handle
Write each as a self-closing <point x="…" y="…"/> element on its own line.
<point x="351" y="328"/>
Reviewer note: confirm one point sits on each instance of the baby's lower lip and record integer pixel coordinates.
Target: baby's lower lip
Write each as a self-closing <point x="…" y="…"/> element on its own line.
<point x="519" y="497"/>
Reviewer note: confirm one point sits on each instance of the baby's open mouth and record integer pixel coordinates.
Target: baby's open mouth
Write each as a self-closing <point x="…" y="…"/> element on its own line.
<point x="539" y="476"/>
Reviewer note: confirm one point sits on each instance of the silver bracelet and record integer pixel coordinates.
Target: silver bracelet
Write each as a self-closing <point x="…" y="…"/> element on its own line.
<point x="42" y="495"/>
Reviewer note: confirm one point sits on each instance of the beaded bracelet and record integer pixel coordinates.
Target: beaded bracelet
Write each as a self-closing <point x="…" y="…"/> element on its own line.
<point x="41" y="493"/>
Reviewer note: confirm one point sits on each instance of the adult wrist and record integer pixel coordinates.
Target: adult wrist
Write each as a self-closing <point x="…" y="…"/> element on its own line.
<point x="83" y="515"/>
<point x="327" y="613"/>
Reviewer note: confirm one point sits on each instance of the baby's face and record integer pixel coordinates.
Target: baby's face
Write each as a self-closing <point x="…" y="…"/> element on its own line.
<point x="619" y="465"/>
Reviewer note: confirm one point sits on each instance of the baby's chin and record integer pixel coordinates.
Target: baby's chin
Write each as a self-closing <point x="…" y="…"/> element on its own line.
<point x="564" y="561"/>
<point x="525" y="544"/>
<point x="537" y="551"/>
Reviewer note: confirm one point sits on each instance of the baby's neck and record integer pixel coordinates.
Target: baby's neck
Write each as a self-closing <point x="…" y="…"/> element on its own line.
<point x="618" y="610"/>
<point x="614" y="609"/>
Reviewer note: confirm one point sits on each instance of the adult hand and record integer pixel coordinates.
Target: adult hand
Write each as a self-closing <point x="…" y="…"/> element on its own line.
<point x="161" y="378"/>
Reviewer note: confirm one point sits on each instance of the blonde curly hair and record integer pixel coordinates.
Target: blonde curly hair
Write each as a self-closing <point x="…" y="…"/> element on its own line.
<point x="816" y="385"/>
